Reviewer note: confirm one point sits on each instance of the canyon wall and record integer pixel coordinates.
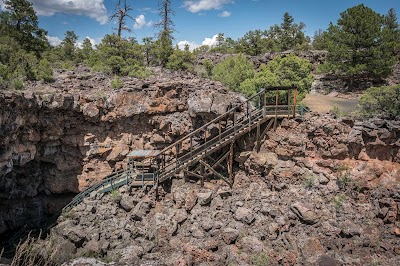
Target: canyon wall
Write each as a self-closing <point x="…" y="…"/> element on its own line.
<point x="321" y="191"/>
<point x="59" y="138"/>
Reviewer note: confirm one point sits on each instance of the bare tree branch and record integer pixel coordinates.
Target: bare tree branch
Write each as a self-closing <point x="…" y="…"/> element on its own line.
<point x="121" y="13"/>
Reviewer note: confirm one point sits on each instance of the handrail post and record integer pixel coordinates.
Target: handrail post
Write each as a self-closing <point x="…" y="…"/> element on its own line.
<point x="191" y="146"/>
<point x="294" y="101"/>
<point x="265" y="104"/>
<point x="288" y="103"/>
<point x="219" y="130"/>
<point x="176" y="154"/>
<point x="234" y="122"/>
<point x="248" y="113"/>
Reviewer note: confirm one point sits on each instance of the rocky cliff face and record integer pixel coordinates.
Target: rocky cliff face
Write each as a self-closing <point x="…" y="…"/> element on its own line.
<point x="320" y="192"/>
<point x="58" y="139"/>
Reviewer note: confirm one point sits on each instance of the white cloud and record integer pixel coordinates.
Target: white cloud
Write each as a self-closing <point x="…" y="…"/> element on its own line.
<point x="192" y="45"/>
<point x="140" y="22"/>
<point x="80" y="43"/>
<point x="210" y="41"/>
<point x="224" y="14"/>
<point x="54" y="41"/>
<point x="94" y="9"/>
<point x="199" y="5"/>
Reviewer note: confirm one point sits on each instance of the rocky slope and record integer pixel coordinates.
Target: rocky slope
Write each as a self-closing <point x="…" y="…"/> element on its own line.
<point x="320" y="192"/>
<point x="58" y="138"/>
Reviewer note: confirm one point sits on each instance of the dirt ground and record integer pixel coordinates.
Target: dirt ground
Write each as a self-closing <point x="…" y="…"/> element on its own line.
<point x="325" y="103"/>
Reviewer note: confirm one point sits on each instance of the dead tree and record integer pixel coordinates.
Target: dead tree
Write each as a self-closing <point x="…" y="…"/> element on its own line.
<point x="166" y="24"/>
<point x="120" y="13"/>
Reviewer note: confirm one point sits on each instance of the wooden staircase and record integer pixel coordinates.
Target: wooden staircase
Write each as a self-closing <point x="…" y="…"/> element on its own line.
<point x="191" y="154"/>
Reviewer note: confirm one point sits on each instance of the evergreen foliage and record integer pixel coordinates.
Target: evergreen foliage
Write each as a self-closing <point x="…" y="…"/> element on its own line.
<point x="181" y="60"/>
<point x="233" y="71"/>
<point x="381" y="101"/>
<point x="68" y="45"/>
<point x="22" y="44"/>
<point x="118" y="56"/>
<point x="165" y="49"/>
<point x="286" y="71"/>
<point x="20" y="23"/>
<point x="357" y="45"/>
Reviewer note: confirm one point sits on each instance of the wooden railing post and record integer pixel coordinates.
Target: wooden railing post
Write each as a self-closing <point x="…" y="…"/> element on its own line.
<point x="191" y="146"/>
<point x="294" y="101"/>
<point x="234" y="122"/>
<point x="176" y="155"/>
<point x="219" y="129"/>
<point x="288" y="103"/>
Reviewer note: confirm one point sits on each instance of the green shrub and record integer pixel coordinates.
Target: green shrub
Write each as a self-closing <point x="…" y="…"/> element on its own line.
<point x="337" y="111"/>
<point x="339" y="201"/>
<point x="181" y="60"/>
<point x="233" y="71"/>
<point x="260" y="259"/>
<point x="310" y="181"/>
<point x="343" y="180"/>
<point x="138" y="71"/>
<point x="68" y="65"/>
<point x="117" y="83"/>
<point x="44" y="71"/>
<point x="287" y="71"/>
<point x="380" y="101"/>
<point x="208" y="66"/>
<point x="17" y="84"/>
<point x="115" y="195"/>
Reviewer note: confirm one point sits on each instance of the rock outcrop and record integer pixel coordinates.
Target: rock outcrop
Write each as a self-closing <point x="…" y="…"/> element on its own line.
<point x="318" y="193"/>
<point x="59" y="138"/>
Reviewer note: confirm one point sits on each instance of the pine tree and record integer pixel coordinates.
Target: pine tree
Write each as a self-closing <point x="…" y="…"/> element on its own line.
<point x="391" y="31"/>
<point x="21" y="23"/>
<point x="68" y="45"/>
<point x="87" y="48"/>
<point x="167" y="28"/>
<point x="357" y="47"/>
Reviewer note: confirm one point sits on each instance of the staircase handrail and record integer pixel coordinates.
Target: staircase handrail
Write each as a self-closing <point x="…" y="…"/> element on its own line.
<point x="240" y="124"/>
<point x="230" y="111"/>
<point x="107" y="180"/>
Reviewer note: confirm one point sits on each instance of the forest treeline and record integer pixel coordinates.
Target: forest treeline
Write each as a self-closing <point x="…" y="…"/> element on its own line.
<point x="362" y="44"/>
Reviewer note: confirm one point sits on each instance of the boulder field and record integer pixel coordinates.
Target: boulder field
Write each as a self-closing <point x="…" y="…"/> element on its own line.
<point x="321" y="191"/>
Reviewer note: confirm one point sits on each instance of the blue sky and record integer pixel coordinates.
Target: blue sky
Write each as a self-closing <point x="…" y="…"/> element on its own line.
<point x="196" y="21"/>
